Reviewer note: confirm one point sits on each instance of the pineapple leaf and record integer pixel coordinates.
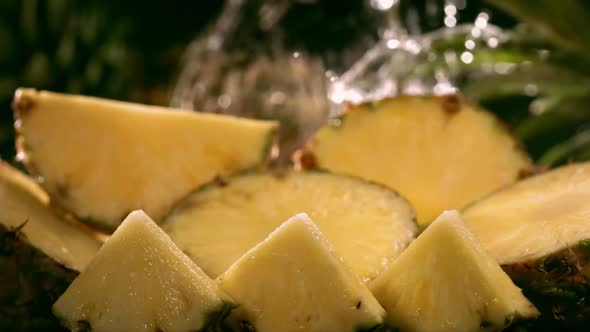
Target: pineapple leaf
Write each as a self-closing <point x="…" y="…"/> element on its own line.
<point x="555" y="114"/>
<point x="541" y="76"/>
<point x="562" y="22"/>
<point x="576" y="148"/>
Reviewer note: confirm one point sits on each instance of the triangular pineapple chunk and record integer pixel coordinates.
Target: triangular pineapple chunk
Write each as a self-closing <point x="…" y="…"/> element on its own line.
<point x="292" y="281"/>
<point x="445" y="282"/>
<point x="140" y="281"/>
<point x="101" y="158"/>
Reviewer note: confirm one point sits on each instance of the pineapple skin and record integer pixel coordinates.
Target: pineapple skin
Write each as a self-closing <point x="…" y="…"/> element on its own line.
<point x="559" y="286"/>
<point x="30" y="281"/>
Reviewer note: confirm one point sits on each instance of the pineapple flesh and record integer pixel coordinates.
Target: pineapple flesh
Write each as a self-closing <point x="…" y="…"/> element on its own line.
<point x="439" y="152"/>
<point x="445" y="281"/>
<point x="536" y="216"/>
<point x="102" y="159"/>
<point x="140" y="281"/>
<point x="369" y="225"/>
<point x="539" y="230"/>
<point x="293" y="281"/>
<point x="24" y="206"/>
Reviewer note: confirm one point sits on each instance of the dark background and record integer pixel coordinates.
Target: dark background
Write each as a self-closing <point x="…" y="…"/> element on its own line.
<point x="131" y="50"/>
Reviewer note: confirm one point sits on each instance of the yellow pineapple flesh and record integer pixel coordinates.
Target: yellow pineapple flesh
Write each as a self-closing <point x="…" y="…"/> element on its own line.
<point x="102" y="159"/>
<point x="445" y="281"/>
<point x="439" y="152"/>
<point x="293" y="281"/>
<point x="368" y="224"/>
<point x="140" y="281"/>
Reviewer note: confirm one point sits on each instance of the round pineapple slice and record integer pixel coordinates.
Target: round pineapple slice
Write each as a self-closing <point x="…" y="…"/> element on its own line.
<point x="101" y="158"/>
<point x="368" y="224"/>
<point x="439" y="152"/>
<point x="539" y="230"/>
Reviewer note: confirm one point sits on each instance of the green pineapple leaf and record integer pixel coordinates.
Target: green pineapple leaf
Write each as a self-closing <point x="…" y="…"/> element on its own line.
<point x="532" y="78"/>
<point x="575" y="148"/>
<point x="564" y="22"/>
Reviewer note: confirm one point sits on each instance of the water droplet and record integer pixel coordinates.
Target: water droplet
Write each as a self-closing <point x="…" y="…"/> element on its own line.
<point x="467" y="57"/>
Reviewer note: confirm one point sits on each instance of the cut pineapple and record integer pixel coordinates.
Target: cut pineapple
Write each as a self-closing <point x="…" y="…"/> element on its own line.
<point x="293" y="281"/>
<point x="445" y="281"/>
<point x="539" y="230"/>
<point x="369" y="225"/>
<point x="140" y="281"/>
<point x="102" y="159"/>
<point x="23" y="203"/>
<point x="40" y="254"/>
<point x="535" y="217"/>
<point x="439" y="152"/>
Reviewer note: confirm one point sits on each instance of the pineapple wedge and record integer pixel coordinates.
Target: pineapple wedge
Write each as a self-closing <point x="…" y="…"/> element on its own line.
<point x="40" y="254"/>
<point x="24" y="206"/>
<point x="445" y="281"/>
<point x="102" y="159"/>
<point x="439" y="152"/>
<point x="140" y="281"/>
<point x="539" y="230"/>
<point x="293" y="281"/>
<point x="369" y="225"/>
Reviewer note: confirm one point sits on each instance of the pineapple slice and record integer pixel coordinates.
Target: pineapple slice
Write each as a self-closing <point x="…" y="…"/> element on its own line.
<point x="140" y="281"/>
<point x="439" y="152"/>
<point x="445" y="281"/>
<point x="24" y="206"/>
<point x="40" y="254"/>
<point x="293" y="281"/>
<point x="539" y="230"/>
<point x="369" y="225"/>
<point x="101" y="158"/>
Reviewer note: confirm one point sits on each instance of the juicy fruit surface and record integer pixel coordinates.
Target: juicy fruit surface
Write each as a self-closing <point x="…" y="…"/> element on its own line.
<point x="535" y="217"/>
<point x="23" y="203"/>
<point x="293" y="281"/>
<point x="139" y="281"/>
<point x="102" y="159"/>
<point x="445" y="281"/>
<point x="368" y="225"/>
<point x="438" y="152"/>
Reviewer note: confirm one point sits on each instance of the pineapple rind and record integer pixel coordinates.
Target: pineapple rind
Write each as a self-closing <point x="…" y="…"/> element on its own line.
<point x="558" y="284"/>
<point x="538" y="231"/>
<point x="30" y="281"/>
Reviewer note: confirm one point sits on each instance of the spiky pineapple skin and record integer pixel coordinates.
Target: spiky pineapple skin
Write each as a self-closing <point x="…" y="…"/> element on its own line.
<point x="559" y="286"/>
<point x="30" y="282"/>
